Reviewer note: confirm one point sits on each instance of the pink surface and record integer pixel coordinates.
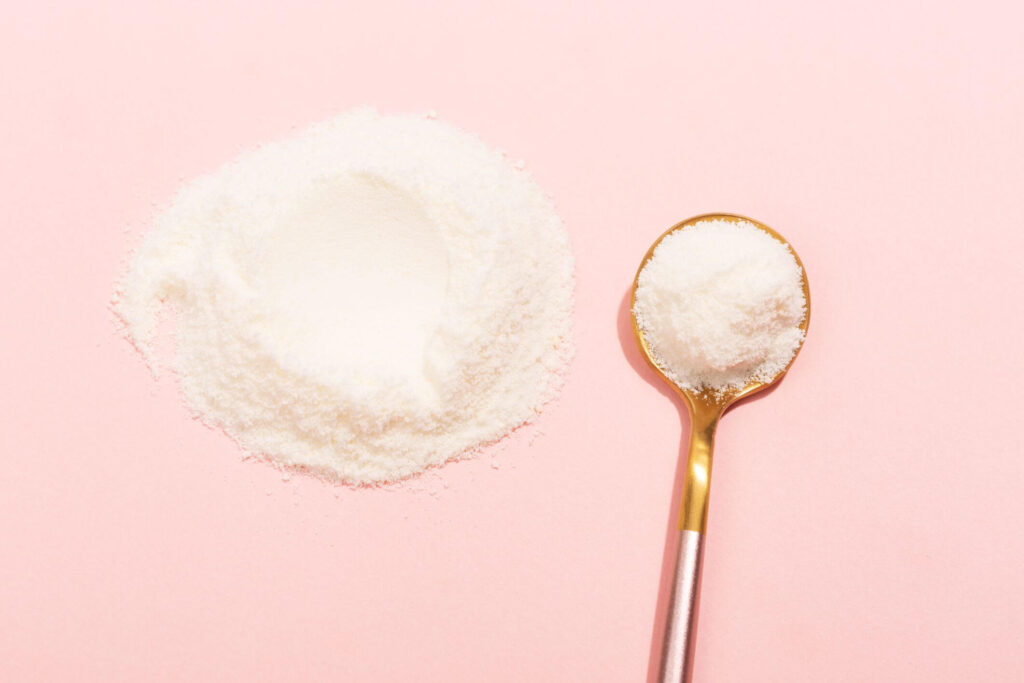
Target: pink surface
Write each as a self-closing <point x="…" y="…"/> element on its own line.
<point x="866" y="516"/>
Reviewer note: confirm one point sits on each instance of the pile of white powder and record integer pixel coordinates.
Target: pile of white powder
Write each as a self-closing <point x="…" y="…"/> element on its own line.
<point x="720" y="305"/>
<point x="370" y="297"/>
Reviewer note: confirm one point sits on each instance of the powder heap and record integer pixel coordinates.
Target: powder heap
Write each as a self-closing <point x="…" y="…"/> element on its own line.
<point x="372" y="296"/>
<point x="720" y="305"/>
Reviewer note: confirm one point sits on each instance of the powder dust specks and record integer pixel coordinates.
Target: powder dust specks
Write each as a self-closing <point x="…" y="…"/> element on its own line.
<point x="374" y="295"/>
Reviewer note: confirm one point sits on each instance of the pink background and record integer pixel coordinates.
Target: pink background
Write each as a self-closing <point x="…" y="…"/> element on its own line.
<point x="866" y="516"/>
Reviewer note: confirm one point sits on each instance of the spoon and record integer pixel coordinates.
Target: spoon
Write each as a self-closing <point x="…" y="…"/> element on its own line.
<point x="705" y="409"/>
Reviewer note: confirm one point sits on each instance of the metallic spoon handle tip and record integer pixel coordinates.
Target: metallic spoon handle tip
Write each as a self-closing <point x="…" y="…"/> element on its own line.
<point x="681" y="626"/>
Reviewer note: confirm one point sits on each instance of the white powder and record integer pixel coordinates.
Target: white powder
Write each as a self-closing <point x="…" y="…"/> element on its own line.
<point x="720" y="304"/>
<point x="370" y="297"/>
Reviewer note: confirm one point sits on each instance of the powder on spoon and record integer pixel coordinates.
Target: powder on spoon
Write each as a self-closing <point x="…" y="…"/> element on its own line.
<point x="370" y="297"/>
<point x="720" y="305"/>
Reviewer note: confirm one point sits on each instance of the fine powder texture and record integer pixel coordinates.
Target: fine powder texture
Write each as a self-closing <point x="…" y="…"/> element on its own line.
<point x="719" y="304"/>
<point x="370" y="297"/>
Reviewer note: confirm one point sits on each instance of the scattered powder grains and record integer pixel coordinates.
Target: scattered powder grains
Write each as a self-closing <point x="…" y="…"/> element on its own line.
<point x="370" y="297"/>
<point x="720" y="305"/>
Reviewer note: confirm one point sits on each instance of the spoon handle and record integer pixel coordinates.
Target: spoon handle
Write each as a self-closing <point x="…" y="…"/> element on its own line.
<point x="681" y="629"/>
<point x="680" y="633"/>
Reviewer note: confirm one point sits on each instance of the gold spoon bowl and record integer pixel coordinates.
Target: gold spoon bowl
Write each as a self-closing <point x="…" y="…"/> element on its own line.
<point x="706" y="409"/>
